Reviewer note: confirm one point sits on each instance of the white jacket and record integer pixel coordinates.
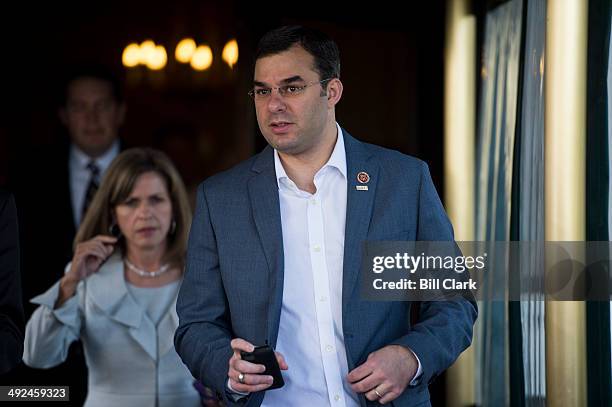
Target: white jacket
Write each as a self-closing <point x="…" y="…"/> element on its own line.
<point x="130" y="361"/>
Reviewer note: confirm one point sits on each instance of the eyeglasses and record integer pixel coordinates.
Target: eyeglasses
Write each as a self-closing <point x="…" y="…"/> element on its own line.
<point x="284" y="91"/>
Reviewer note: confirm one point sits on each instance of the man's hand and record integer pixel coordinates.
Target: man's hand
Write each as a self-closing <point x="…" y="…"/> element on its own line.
<point x="252" y="380"/>
<point x="385" y="374"/>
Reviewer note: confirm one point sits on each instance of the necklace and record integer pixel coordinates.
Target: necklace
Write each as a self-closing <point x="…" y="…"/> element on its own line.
<point x="144" y="273"/>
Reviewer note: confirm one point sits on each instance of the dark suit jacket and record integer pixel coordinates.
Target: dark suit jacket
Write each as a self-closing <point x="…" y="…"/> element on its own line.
<point x="43" y="198"/>
<point x="42" y="194"/>
<point x="233" y="284"/>
<point x="11" y="308"/>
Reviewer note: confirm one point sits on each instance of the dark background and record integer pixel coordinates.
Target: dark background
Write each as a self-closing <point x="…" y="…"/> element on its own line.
<point x="392" y="70"/>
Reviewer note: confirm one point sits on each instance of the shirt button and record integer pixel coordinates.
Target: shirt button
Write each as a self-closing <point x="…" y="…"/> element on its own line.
<point x="313" y="201"/>
<point x="336" y="397"/>
<point x="316" y="248"/>
<point x="329" y="348"/>
<point x="323" y="298"/>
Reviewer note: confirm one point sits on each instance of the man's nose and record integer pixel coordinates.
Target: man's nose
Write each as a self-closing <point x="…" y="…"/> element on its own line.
<point x="276" y="102"/>
<point x="92" y="115"/>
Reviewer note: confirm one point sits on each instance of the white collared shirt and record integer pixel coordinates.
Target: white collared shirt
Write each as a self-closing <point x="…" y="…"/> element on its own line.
<point x="80" y="175"/>
<point x="310" y="333"/>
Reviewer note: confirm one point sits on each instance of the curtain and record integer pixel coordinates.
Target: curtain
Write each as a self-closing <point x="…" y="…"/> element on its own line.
<point x="531" y="204"/>
<point x="495" y="150"/>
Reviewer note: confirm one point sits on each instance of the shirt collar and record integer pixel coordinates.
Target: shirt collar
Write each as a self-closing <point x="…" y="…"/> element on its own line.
<point x="80" y="159"/>
<point x="336" y="160"/>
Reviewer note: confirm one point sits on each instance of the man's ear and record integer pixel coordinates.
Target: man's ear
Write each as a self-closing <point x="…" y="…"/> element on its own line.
<point x="334" y="92"/>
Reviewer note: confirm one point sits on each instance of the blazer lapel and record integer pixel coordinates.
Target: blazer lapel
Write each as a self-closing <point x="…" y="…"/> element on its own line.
<point x="166" y="328"/>
<point x="359" y="205"/>
<point x="107" y="289"/>
<point x="65" y="195"/>
<point x="263" y="194"/>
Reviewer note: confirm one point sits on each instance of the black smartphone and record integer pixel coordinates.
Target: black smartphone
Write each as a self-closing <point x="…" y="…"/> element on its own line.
<point x="264" y="355"/>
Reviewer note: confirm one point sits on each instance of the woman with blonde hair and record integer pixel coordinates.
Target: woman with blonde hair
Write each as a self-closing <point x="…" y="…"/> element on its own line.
<point x="118" y="295"/>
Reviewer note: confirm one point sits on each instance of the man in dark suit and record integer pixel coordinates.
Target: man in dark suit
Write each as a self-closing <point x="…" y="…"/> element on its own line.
<point x="275" y="252"/>
<point x="53" y="194"/>
<point x="11" y="307"/>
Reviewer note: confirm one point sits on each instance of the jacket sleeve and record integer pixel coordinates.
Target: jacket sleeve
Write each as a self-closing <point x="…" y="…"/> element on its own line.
<point x="444" y="328"/>
<point x="49" y="332"/>
<point x="203" y="336"/>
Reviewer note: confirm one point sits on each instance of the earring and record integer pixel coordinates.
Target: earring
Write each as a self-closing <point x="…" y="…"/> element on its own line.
<point x="114" y="230"/>
<point x="173" y="227"/>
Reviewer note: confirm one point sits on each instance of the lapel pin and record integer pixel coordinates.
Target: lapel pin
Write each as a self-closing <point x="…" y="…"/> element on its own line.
<point x="363" y="178"/>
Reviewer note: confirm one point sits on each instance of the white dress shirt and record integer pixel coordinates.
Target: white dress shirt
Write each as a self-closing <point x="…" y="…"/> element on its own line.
<point x="80" y="175"/>
<point x="310" y="335"/>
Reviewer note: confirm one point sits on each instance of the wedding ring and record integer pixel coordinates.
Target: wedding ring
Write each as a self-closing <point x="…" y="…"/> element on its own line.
<point x="241" y="378"/>
<point x="378" y="394"/>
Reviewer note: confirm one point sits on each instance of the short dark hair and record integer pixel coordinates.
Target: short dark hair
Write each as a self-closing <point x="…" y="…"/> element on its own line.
<point x="98" y="72"/>
<point x="319" y="45"/>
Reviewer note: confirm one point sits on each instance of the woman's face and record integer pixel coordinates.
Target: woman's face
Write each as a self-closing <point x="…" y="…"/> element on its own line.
<point x="145" y="216"/>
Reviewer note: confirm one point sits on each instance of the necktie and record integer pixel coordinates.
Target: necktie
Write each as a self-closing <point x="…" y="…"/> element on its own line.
<point x="92" y="187"/>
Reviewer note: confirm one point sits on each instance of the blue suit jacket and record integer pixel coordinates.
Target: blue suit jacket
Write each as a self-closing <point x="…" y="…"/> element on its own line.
<point x="233" y="285"/>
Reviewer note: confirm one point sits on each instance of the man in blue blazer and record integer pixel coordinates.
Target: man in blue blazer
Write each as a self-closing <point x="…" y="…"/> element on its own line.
<point x="275" y="252"/>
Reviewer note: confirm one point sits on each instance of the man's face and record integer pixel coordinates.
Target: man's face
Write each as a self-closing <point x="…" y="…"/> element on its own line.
<point x="92" y="115"/>
<point x="292" y="124"/>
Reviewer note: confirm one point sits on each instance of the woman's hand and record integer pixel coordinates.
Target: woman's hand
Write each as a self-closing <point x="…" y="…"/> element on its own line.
<point x="88" y="257"/>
